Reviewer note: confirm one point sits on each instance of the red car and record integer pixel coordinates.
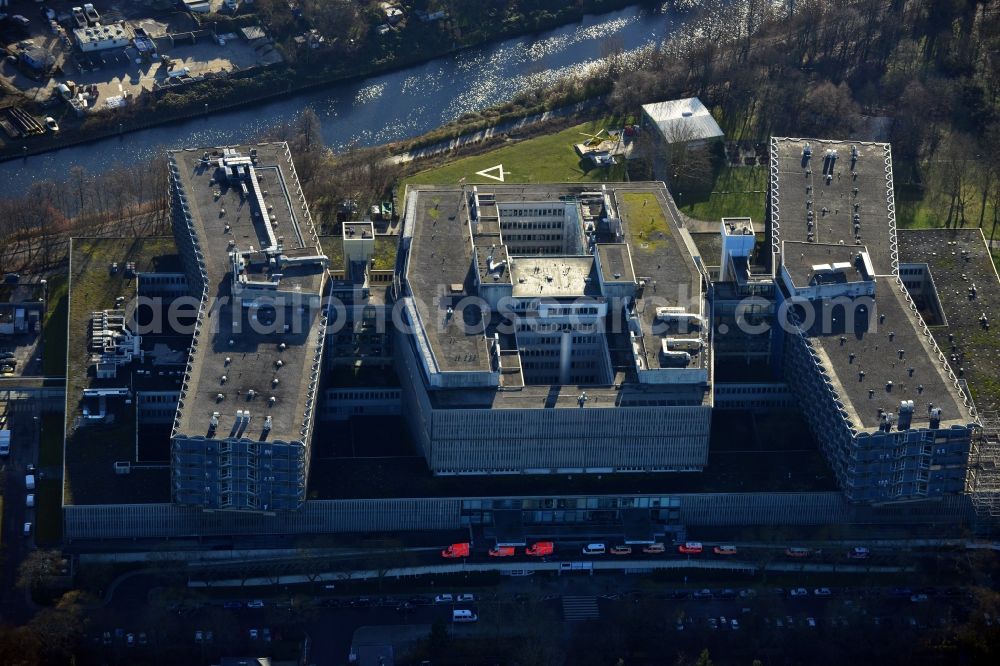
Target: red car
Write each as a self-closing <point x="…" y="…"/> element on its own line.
<point x="793" y="551"/>
<point x="690" y="548"/>
<point x="621" y="550"/>
<point x="456" y="550"/>
<point x="502" y="551"/>
<point x="540" y="549"/>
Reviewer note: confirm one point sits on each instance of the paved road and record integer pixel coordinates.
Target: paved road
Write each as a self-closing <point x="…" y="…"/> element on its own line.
<point x="21" y="420"/>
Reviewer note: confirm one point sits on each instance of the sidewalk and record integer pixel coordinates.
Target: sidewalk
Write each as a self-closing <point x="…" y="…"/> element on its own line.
<point x="606" y="566"/>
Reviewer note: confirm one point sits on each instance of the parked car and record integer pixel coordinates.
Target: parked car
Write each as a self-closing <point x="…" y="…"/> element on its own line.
<point x="798" y="592"/>
<point x="594" y="549"/>
<point x="798" y="552"/>
<point x="918" y="598"/>
<point x="456" y="550"/>
<point x="256" y="603"/>
<point x="143" y="640"/>
<point x="465" y="597"/>
<point x="691" y="548"/>
<point x="703" y="594"/>
<point x="621" y="550"/>
<point x="253" y="634"/>
<point x="724" y="550"/>
<point x="822" y="592"/>
<point x="232" y="604"/>
<point x="858" y="553"/>
<point x="654" y="549"/>
<point x="130" y="640"/>
<point x="444" y="598"/>
<point x="502" y="551"/>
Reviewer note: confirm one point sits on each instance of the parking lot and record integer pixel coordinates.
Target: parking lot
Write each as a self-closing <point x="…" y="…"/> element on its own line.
<point x="691" y="616"/>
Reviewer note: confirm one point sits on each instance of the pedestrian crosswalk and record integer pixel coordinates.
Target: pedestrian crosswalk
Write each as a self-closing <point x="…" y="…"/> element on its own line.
<point x="580" y="608"/>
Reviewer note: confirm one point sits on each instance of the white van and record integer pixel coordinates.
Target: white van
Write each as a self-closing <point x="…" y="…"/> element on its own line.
<point x="27" y="529"/>
<point x="29" y="481"/>
<point x="594" y="549"/>
<point x="463" y="615"/>
<point x="29" y="500"/>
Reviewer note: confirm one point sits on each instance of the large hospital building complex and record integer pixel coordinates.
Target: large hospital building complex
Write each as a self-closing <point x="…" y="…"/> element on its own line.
<point x="534" y="358"/>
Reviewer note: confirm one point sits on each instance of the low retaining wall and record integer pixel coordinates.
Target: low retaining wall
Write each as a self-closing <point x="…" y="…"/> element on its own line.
<point x="132" y="521"/>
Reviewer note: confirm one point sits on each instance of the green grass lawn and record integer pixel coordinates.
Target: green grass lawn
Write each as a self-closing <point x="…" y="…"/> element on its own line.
<point x="545" y="159"/>
<point x="54" y="332"/>
<point x="916" y="209"/>
<point x="385" y="252"/>
<point x="735" y="192"/>
<point x="654" y="231"/>
<point x="913" y="210"/>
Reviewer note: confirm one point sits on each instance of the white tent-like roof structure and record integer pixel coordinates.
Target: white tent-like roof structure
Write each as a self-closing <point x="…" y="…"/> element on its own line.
<point x="683" y="120"/>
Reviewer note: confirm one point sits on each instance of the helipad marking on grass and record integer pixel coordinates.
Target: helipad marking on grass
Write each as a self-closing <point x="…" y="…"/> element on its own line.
<point x="500" y="173"/>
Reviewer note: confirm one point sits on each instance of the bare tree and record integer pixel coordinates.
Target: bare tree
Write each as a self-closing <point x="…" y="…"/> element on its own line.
<point x="38" y="567"/>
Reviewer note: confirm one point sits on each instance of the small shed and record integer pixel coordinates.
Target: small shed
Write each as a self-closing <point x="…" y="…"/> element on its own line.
<point x="681" y="121"/>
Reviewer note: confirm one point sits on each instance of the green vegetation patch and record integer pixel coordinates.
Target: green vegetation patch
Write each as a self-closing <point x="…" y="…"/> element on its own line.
<point x="733" y="192"/>
<point x="544" y="159"/>
<point x="385" y="252"/>
<point x="647" y="225"/>
<point x="333" y="248"/>
<point x="54" y="327"/>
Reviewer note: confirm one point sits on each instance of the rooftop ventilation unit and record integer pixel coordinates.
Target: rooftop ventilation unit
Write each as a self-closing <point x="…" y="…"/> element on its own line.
<point x="935" y="416"/>
<point x="905" y="414"/>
